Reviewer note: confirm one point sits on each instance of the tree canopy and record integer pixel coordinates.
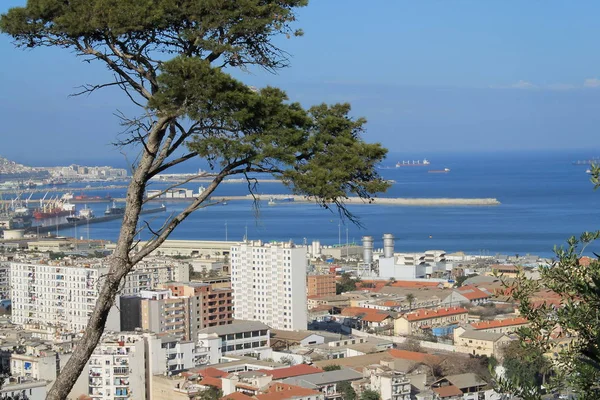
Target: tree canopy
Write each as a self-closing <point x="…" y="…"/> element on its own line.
<point x="172" y="59"/>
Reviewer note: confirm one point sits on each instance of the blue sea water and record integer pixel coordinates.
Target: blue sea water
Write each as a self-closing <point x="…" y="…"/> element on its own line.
<point x="544" y="200"/>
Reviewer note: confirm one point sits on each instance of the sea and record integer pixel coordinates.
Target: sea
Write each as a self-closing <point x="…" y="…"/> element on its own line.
<point x="544" y="200"/>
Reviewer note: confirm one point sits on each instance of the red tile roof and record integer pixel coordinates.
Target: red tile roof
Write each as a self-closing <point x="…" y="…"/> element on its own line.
<point x="212" y="372"/>
<point x="448" y="391"/>
<point x="414" y="356"/>
<point x="498" y="323"/>
<point x="473" y="293"/>
<point x="375" y="317"/>
<point x="423" y="314"/>
<point x="211" y="381"/>
<point x="585" y="261"/>
<point x="354" y="311"/>
<point x="236" y="396"/>
<point x="282" y="391"/>
<point x="296" y="370"/>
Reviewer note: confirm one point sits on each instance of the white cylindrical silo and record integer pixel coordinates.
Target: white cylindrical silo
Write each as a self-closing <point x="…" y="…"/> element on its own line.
<point x="388" y="245"/>
<point x="367" y="249"/>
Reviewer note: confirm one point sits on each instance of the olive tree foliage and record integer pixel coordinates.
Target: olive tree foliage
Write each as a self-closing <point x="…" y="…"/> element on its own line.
<point x="170" y="57"/>
<point x="568" y="330"/>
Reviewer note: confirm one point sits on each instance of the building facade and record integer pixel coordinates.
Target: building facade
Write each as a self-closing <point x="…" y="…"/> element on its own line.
<point x="321" y="285"/>
<point x="269" y="284"/>
<point x="63" y="294"/>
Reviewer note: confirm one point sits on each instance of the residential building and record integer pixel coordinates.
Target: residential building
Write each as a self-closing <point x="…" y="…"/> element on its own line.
<point x="31" y="388"/>
<point x="57" y="294"/>
<point x="117" y="368"/>
<point x="282" y="391"/>
<point x="63" y="293"/>
<point x="320" y="285"/>
<point x="325" y="382"/>
<point x="4" y="280"/>
<point x="480" y="342"/>
<point x="467" y="294"/>
<point x="417" y="321"/>
<point x="390" y="384"/>
<point x="171" y="355"/>
<point x="467" y="386"/>
<point x="180" y="309"/>
<point x="37" y="362"/>
<point x="507" y="325"/>
<point x="238" y="338"/>
<point x="269" y="284"/>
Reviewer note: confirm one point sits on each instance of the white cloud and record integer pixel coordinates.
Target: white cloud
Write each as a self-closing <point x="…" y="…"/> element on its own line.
<point x="561" y="86"/>
<point x="523" y="85"/>
<point x="591" y="83"/>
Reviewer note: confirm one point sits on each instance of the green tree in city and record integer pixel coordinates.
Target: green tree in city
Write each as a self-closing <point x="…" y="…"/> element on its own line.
<point x="370" y="395"/>
<point x="212" y="393"/>
<point x="171" y="59"/>
<point x="346" y="390"/>
<point x="347" y="283"/>
<point x="575" y="321"/>
<point x="411" y="299"/>
<point x="332" y="367"/>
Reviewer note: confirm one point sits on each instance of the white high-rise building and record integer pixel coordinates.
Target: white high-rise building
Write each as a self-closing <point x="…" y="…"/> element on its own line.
<point x="269" y="284"/>
<point x="63" y="293"/>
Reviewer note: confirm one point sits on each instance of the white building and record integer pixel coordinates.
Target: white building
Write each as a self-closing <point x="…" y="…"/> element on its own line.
<point x="123" y="364"/>
<point x="4" y="280"/>
<point x="63" y="294"/>
<point x="239" y="338"/>
<point x="26" y="388"/>
<point x="54" y="294"/>
<point x="117" y="368"/>
<point x="269" y="284"/>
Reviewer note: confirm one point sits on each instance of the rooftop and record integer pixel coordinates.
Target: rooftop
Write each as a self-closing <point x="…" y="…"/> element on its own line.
<point x="323" y="378"/>
<point x="423" y="314"/>
<point x="482" y="335"/>
<point x="296" y="370"/>
<point x="447" y="391"/>
<point x="498" y="323"/>
<point x="238" y="326"/>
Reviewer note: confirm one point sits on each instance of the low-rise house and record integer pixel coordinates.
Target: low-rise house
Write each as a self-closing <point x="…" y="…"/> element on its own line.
<point x="248" y="383"/>
<point x="30" y="389"/>
<point x="507" y="325"/>
<point x="335" y="301"/>
<point x="282" y="391"/>
<point x="369" y="318"/>
<point x="469" y="385"/>
<point x="326" y="382"/>
<point x="285" y="339"/>
<point x="480" y="343"/>
<point x="467" y="295"/>
<point x="238" y="338"/>
<point x="390" y="384"/>
<point x="416" y="322"/>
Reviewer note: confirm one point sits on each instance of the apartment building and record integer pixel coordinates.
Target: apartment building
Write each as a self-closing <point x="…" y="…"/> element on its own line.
<point x="63" y="293"/>
<point x="180" y="309"/>
<point x="480" y="343"/>
<point x="57" y="294"/>
<point x="269" y="284"/>
<point x="415" y="322"/>
<point x="239" y="338"/>
<point x="4" y="280"/>
<point x="507" y="325"/>
<point x="117" y="368"/>
<point x="321" y="285"/>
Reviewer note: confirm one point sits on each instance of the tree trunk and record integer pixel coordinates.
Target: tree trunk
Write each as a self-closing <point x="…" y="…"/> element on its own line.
<point x="120" y="265"/>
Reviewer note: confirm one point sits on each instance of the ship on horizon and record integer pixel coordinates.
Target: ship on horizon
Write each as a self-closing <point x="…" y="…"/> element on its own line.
<point x="413" y="163"/>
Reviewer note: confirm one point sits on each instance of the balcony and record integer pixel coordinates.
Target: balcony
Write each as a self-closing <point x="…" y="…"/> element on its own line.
<point x="120" y="371"/>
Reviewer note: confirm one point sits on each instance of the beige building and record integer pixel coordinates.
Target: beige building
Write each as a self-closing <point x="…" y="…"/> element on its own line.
<point x="191" y="248"/>
<point x="507" y="325"/>
<point x="480" y="343"/>
<point x="320" y="285"/>
<point x="415" y="322"/>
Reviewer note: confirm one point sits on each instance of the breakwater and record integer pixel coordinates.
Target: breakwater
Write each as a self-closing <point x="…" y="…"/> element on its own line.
<point x="96" y="220"/>
<point x="290" y="199"/>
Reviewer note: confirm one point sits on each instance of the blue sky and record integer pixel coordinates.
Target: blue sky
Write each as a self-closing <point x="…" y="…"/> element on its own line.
<point x="430" y="76"/>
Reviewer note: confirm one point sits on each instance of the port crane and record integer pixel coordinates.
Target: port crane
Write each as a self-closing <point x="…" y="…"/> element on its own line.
<point x="42" y="200"/>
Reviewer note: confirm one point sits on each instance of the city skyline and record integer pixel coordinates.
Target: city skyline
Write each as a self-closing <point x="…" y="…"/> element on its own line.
<point x="462" y="77"/>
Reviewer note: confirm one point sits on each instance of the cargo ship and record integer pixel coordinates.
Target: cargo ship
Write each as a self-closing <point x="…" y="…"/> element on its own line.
<point x="114" y="210"/>
<point x="417" y="163"/>
<point x="84" y="214"/>
<point x="53" y="209"/>
<point x="439" y="171"/>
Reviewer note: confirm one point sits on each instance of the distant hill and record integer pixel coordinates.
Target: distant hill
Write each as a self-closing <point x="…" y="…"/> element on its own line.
<point x="12" y="171"/>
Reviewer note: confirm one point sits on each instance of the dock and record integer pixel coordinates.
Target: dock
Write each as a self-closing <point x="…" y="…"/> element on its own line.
<point x="291" y="199"/>
<point x="96" y="220"/>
